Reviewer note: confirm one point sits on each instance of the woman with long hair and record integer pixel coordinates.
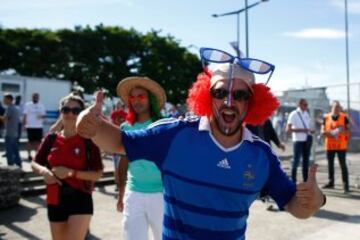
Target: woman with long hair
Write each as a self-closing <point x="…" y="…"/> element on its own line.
<point x="70" y="165"/>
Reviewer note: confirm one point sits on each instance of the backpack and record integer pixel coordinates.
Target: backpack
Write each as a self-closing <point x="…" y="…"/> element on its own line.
<point x="51" y="140"/>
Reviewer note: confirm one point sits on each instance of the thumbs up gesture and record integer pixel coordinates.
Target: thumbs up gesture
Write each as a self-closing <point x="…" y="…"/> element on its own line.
<point x="308" y="193"/>
<point x="90" y="119"/>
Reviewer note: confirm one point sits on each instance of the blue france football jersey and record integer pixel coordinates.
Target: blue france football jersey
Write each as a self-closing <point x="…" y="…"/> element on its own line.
<point x="208" y="189"/>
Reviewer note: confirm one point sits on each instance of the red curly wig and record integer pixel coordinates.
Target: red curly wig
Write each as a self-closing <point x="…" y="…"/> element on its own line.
<point x="261" y="105"/>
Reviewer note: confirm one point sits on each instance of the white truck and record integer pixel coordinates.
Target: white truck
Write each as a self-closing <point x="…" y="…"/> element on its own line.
<point x="50" y="91"/>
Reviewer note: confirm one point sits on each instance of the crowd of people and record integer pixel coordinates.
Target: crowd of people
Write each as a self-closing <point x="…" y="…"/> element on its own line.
<point x="185" y="178"/>
<point x="16" y="117"/>
<point x="206" y="156"/>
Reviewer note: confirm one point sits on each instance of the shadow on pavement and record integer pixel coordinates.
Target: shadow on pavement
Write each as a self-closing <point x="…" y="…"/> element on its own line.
<point x="336" y="216"/>
<point x="104" y="191"/>
<point x="92" y="237"/>
<point x="37" y="200"/>
<point x="354" y="194"/>
<point x="20" y="231"/>
<point x="23" y="214"/>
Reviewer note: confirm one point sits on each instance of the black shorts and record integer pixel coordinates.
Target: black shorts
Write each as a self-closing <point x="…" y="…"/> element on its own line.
<point x="71" y="202"/>
<point x="34" y="134"/>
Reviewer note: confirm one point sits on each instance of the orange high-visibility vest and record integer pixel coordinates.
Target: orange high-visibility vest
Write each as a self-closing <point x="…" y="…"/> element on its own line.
<point x="340" y="142"/>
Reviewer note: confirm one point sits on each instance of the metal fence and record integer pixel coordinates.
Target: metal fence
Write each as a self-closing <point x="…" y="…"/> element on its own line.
<point x="320" y="99"/>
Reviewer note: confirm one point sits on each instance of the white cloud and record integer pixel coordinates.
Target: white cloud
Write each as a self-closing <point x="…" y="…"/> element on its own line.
<point x="353" y="5"/>
<point x="317" y="33"/>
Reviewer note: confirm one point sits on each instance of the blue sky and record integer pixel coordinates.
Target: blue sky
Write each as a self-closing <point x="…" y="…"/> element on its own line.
<point x="304" y="39"/>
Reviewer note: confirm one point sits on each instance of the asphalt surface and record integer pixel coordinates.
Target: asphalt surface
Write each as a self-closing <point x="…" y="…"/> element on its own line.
<point x="338" y="219"/>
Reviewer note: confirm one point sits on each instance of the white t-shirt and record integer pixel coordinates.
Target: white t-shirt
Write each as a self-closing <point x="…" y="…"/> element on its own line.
<point x="34" y="114"/>
<point x="295" y="120"/>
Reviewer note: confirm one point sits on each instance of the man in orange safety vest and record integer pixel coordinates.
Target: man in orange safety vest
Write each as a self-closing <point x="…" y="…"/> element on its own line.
<point x="336" y="132"/>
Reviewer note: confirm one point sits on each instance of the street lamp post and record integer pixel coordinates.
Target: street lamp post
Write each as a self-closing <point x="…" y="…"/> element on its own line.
<point x="347" y="57"/>
<point x="238" y="35"/>
<point x="246" y="29"/>
<point x="238" y="23"/>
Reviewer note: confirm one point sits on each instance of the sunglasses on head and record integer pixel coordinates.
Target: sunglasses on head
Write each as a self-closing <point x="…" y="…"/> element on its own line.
<point x="211" y="55"/>
<point x="238" y="95"/>
<point x="74" y="110"/>
<point x="140" y="98"/>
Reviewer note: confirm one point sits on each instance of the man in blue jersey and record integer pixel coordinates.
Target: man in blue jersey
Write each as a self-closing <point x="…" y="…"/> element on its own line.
<point x="212" y="167"/>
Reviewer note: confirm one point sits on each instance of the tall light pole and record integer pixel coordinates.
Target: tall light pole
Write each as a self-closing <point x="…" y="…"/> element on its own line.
<point x="347" y="57"/>
<point x="247" y="26"/>
<point x="238" y="23"/>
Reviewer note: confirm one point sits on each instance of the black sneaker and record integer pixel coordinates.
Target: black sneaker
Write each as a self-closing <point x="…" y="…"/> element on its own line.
<point x="328" y="185"/>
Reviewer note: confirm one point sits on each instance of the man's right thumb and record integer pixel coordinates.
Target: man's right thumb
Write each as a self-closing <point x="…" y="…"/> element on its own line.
<point x="99" y="98"/>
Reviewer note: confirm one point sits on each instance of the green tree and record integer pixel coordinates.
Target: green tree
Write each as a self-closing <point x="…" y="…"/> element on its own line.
<point x="99" y="57"/>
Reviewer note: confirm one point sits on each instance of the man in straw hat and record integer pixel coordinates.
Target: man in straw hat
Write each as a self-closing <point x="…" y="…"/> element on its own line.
<point x="143" y="202"/>
<point x="212" y="167"/>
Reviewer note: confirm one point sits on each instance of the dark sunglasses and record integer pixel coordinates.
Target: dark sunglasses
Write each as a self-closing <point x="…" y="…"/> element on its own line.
<point x="140" y="98"/>
<point x="238" y="95"/>
<point x="67" y="110"/>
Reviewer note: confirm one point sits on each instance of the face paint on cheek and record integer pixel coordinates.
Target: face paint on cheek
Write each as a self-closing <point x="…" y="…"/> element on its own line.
<point x="216" y="111"/>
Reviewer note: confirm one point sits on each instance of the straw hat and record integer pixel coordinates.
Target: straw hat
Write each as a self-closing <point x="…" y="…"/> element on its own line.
<point x="125" y="85"/>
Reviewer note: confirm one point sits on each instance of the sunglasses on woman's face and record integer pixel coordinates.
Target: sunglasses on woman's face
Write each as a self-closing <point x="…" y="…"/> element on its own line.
<point x="238" y="95"/>
<point x="140" y="98"/>
<point x="74" y="110"/>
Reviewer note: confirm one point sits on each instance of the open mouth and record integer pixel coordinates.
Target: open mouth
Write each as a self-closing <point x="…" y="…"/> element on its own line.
<point x="228" y="116"/>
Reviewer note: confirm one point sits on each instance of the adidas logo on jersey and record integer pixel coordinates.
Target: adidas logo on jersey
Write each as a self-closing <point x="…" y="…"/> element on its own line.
<point x="224" y="164"/>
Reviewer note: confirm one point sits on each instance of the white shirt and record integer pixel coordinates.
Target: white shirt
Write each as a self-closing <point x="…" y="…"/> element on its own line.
<point x="295" y="120"/>
<point x="34" y="114"/>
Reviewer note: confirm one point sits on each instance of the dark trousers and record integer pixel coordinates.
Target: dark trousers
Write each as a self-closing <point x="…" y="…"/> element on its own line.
<point x="301" y="149"/>
<point x="342" y="161"/>
<point x="12" y="151"/>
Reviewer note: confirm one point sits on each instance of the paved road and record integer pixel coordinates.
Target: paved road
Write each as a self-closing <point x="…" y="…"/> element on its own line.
<point x="339" y="219"/>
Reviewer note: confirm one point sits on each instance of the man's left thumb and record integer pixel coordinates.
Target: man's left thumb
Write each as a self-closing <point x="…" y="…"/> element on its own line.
<point x="312" y="174"/>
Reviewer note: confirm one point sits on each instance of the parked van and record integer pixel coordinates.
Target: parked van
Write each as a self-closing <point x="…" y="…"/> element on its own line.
<point x="50" y="90"/>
